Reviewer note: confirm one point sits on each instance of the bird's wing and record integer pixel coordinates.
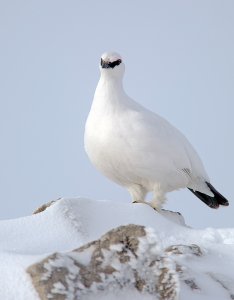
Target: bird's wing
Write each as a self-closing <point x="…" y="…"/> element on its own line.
<point x="161" y="144"/>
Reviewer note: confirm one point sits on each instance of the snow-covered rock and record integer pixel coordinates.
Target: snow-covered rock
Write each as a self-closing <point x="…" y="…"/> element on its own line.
<point x="126" y="258"/>
<point x="199" y="263"/>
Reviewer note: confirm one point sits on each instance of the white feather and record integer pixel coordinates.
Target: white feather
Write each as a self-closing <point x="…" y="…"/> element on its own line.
<point x="135" y="147"/>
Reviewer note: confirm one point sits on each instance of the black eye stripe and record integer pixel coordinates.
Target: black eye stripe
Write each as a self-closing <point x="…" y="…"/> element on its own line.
<point x="107" y="65"/>
<point x="115" y="63"/>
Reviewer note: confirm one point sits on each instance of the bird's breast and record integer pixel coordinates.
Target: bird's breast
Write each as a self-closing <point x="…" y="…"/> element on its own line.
<point x="108" y="148"/>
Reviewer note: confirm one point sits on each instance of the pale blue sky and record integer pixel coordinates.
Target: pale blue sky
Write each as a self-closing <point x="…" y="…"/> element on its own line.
<point x="179" y="58"/>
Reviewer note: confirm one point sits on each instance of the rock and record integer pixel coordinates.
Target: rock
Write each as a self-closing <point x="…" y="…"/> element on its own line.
<point x="128" y="257"/>
<point x="187" y="251"/>
<point x="184" y="250"/>
<point x="45" y="206"/>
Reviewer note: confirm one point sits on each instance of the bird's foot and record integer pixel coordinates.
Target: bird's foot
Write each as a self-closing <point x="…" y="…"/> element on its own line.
<point x="155" y="207"/>
<point x="143" y="202"/>
<point x="158" y="209"/>
<point x="135" y="201"/>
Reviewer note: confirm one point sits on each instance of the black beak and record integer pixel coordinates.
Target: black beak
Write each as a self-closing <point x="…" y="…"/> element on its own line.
<point x="104" y="65"/>
<point x="107" y="65"/>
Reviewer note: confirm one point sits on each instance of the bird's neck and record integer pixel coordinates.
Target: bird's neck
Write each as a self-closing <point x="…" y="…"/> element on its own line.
<point x="109" y="91"/>
<point x="110" y="83"/>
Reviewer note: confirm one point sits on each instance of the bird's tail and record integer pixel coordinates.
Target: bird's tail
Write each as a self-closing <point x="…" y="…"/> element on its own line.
<point x="212" y="202"/>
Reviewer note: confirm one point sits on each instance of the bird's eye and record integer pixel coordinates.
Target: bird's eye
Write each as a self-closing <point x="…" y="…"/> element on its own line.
<point x="115" y="63"/>
<point x="107" y="65"/>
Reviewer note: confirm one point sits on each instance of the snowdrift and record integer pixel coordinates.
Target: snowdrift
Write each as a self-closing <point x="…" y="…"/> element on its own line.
<point x="194" y="264"/>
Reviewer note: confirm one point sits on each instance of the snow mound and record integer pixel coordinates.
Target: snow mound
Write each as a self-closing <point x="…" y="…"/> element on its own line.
<point x="203" y="260"/>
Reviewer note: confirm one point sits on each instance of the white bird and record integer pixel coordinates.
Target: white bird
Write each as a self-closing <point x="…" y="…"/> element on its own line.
<point x="137" y="148"/>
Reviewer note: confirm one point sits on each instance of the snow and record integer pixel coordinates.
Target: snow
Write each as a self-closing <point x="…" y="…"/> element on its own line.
<point x="70" y="223"/>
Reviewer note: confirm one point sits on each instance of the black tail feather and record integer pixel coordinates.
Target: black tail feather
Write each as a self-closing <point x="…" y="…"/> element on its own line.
<point x="212" y="202"/>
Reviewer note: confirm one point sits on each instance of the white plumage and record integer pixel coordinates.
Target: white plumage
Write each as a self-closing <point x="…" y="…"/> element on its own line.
<point x="137" y="148"/>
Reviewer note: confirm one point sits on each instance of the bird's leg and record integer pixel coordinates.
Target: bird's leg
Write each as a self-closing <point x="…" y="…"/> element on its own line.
<point x="138" y="193"/>
<point x="158" y="198"/>
<point x="155" y="205"/>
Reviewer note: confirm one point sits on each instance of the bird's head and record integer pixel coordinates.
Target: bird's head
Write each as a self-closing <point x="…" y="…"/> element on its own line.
<point x="111" y="65"/>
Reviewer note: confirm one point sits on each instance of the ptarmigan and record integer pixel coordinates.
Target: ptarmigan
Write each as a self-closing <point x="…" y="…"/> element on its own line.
<point x="137" y="148"/>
